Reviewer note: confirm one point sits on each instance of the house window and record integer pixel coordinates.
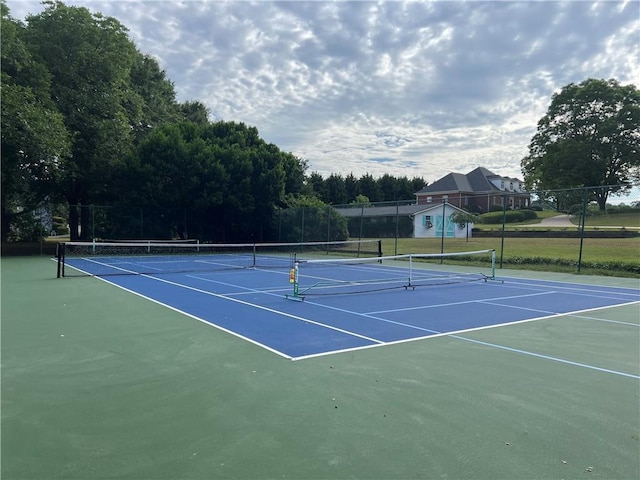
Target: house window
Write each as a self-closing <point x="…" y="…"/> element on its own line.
<point x="511" y="186"/>
<point x="426" y="221"/>
<point x="445" y="198"/>
<point x="502" y="185"/>
<point x="429" y="199"/>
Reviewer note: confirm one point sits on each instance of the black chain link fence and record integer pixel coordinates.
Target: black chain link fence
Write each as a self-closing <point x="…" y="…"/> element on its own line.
<point x="564" y="227"/>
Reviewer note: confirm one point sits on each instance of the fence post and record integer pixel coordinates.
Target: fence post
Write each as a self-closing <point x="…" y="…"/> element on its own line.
<point x="444" y="226"/>
<point x="397" y="222"/>
<point x="329" y="208"/>
<point x="582" y="223"/>
<point x="504" y="221"/>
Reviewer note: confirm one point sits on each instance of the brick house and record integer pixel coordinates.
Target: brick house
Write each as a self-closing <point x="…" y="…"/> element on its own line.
<point x="477" y="191"/>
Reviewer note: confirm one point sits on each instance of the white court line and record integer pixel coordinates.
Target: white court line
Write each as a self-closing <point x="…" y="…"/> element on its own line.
<point x="210" y="324"/>
<point x="547" y="357"/>
<point x="456" y="334"/>
<point x="378" y="343"/>
<point x="260" y="307"/>
<point x="436" y="305"/>
<point x="580" y="288"/>
<point x="619" y="296"/>
<point x="596" y="319"/>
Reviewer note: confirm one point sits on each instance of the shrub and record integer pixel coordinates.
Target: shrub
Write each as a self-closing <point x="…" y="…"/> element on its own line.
<point x="511" y="216"/>
<point x="26" y="228"/>
<point x="622" y="208"/>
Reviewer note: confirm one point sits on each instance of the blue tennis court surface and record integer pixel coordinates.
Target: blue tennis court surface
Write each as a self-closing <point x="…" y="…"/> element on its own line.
<point x="251" y="303"/>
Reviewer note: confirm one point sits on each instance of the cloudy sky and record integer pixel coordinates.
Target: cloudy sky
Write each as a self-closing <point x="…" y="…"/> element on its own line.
<point x="406" y="88"/>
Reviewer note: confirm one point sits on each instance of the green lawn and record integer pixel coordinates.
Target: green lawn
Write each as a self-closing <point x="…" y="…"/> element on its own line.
<point x="612" y="256"/>
<point x="613" y="220"/>
<point x="626" y="220"/>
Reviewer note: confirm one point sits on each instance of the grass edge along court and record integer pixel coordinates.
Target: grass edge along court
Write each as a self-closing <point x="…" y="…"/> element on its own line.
<point x="99" y="383"/>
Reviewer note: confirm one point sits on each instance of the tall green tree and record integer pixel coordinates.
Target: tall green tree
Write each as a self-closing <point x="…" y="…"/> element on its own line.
<point x="149" y="98"/>
<point x="369" y="187"/>
<point x="89" y="58"/>
<point x="225" y="178"/>
<point x="352" y="187"/>
<point x="389" y="188"/>
<point x="335" y="189"/>
<point x="195" y="112"/>
<point x="589" y="137"/>
<point x="317" y="184"/>
<point x="35" y="142"/>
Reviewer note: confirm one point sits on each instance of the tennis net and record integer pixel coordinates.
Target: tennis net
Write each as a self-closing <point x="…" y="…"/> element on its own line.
<point x="149" y="257"/>
<point x="344" y="276"/>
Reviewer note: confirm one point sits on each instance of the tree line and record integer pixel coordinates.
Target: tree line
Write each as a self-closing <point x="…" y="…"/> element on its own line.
<point x="88" y="119"/>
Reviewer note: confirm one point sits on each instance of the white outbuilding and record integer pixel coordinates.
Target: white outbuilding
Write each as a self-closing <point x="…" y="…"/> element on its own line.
<point x="438" y="220"/>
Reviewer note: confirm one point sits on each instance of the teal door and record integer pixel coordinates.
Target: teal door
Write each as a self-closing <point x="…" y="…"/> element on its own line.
<point x="446" y="223"/>
<point x="438" y="219"/>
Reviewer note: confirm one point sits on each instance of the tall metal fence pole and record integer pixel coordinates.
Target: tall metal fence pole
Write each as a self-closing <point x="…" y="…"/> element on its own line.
<point x="582" y="223"/>
<point x="329" y="208"/>
<point x="397" y="225"/>
<point x="444" y="226"/>
<point x="504" y="221"/>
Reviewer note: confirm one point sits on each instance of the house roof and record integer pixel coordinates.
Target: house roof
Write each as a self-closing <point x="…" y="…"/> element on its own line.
<point x="405" y="210"/>
<point x="476" y="181"/>
<point x="357" y="211"/>
<point x="437" y="207"/>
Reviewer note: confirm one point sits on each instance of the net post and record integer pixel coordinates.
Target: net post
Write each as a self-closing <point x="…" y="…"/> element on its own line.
<point x="380" y="250"/>
<point x="410" y="270"/>
<point x="293" y="279"/>
<point x="493" y="264"/>
<point x="255" y="261"/>
<point x="60" y="258"/>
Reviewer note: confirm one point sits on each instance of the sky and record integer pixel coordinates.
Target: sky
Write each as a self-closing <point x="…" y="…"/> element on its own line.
<point x="402" y="88"/>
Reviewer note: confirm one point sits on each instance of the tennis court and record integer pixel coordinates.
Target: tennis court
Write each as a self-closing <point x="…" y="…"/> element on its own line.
<point x="307" y="367"/>
<point x="346" y="303"/>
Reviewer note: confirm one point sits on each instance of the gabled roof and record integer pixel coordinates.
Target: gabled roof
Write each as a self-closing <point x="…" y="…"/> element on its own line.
<point x="452" y="182"/>
<point x="479" y="180"/>
<point x="436" y="207"/>
<point x="476" y="181"/>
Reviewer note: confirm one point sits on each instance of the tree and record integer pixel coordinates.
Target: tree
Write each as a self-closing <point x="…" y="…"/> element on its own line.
<point x="195" y="112"/>
<point x="218" y="181"/>
<point x="318" y="186"/>
<point x="589" y="138"/>
<point x="369" y="187"/>
<point x="389" y="188"/>
<point x="150" y="100"/>
<point x="351" y="186"/>
<point x="335" y="188"/>
<point x="311" y="220"/>
<point x="89" y="58"/>
<point x="35" y="141"/>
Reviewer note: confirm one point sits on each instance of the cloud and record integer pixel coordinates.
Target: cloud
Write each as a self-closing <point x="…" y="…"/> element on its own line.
<point x="406" y="88"/>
